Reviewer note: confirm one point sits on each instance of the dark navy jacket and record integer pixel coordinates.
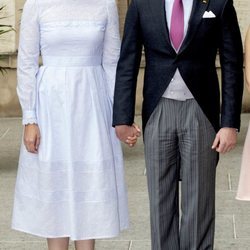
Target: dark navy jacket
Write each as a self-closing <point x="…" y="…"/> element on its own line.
<point x="146" y="26"/>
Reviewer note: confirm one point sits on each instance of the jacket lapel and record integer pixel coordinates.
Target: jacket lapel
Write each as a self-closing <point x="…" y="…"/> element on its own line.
<point x="159" y="13"/>
<point x="199" y="7"/>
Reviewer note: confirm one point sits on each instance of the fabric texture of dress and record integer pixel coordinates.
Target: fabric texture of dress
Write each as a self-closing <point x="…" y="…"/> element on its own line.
<point x="74" y="187"/>
<point x="244" y="181"/>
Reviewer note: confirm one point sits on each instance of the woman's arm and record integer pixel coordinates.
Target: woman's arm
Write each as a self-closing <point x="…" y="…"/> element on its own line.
<point x="247" y="59"/>
<point x="111" y="53"/>
<point x="27" y="68"/>
<point x="111" y="47"/>
<point x="28" y="61"/>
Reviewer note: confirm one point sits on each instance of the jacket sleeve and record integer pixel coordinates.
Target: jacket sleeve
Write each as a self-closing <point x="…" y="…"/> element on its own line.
<point x="28" y="61"/>
<point x="231" y="58"/>
<point x="127" y="69"/>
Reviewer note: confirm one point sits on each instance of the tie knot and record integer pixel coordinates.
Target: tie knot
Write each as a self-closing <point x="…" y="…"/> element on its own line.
<point x="179" y="2"/>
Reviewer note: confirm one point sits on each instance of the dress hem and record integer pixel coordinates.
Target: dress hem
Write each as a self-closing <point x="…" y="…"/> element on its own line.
<point x="71" y="238"/>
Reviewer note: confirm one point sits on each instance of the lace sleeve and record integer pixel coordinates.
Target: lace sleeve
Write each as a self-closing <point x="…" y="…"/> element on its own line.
<point x="111" y="49"/>
<point x="28" y="61"/>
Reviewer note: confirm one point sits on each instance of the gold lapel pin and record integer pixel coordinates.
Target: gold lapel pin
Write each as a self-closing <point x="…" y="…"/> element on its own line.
<point x="204" y="1"/>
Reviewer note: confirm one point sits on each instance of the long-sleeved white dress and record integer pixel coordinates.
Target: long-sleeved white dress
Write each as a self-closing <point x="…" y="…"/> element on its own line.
<point x="74" y="187"/>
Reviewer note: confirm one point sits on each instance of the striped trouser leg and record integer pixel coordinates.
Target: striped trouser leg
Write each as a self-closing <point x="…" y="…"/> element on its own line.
<point x="180" y="128"/>
<point x="161" y="154"/>
<point x="198" y="164"/>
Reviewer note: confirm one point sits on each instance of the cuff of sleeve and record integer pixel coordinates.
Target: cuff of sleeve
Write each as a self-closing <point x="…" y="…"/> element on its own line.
<point x="29" y="117"/>
<point x="122" y="122"/>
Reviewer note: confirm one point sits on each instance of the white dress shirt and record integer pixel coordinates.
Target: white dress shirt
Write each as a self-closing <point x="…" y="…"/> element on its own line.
<point x="177" y="88"/>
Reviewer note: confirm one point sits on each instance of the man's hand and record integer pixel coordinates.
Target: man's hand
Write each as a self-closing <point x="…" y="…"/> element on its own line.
<point x="32" y="138"/>
<point x="128" y="134"/>
<point x="225" y="140"/>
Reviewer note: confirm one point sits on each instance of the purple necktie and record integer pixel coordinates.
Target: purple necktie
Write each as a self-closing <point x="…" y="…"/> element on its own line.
<point x="177" y="24"/>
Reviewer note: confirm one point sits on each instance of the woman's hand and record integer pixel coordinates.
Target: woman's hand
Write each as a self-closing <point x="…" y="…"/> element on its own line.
<point x="128" y="134"/>
<point x="131" y="140"/>
<point x="32" y="138"/>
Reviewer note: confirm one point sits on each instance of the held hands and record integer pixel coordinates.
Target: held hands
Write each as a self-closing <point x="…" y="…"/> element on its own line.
<point x="225" y="140"/>
<point x="128" y="134"/>
<point x="32" y="138"/>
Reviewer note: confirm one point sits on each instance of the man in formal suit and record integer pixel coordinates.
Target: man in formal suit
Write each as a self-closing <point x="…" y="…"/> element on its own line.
<point x="181" y="108"/>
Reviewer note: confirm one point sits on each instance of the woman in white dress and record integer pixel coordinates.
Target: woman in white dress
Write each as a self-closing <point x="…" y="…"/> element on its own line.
<point x="70" y="181"/>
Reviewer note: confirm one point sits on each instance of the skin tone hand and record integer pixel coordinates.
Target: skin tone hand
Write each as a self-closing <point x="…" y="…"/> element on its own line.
<point x="225" y="140"/>
<point x="131" y="140"/>
<point x="32" y="138"/>
<point x="128" y="134"/>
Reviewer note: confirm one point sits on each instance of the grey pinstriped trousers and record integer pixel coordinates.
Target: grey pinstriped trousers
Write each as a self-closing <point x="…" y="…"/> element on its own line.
<point x="179" y="136"/>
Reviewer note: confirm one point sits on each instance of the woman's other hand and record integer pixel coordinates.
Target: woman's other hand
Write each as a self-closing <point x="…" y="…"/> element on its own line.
<point x="32" y="138"/>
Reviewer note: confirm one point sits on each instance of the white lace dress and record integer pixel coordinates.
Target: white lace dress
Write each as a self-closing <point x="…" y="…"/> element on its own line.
<point x="74" y="187"/>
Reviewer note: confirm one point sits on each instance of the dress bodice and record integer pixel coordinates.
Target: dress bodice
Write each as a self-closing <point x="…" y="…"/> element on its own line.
<point x="67" y="33"/>
<point x="72" y="28"/>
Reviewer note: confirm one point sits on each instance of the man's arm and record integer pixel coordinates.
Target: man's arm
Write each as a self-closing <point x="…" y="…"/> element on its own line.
<point x="231" y="58"/>
<point x="127" y="69"/>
